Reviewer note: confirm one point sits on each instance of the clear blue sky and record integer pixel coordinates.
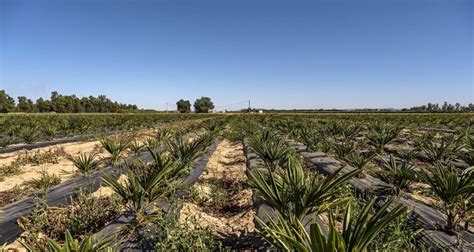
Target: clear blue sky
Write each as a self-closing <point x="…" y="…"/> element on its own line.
<point x="279" y="54"/>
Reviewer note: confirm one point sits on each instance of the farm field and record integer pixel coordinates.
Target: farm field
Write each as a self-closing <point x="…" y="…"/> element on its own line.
<point x="200" y="182"/>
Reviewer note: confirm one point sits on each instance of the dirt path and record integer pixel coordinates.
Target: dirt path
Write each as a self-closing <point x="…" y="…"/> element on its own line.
<point x="220" y="201"/>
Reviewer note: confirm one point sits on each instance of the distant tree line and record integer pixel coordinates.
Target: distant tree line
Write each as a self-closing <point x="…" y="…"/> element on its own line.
<point x="63" y="104"/>
<point x="201" y="105"/>
<point x="446" y="107"/>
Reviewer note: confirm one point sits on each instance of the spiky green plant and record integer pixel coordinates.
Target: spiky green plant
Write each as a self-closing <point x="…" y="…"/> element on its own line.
<point x="162" y="135"/>
<point x="310" y="138"/>
<point x="142" y="187"/>
<point x="359" y="159"/>
<point x="443" y="151"/>
<point x="87" y="244"/>
<point x="350" y="131"/>
<point x="86" y="163"/>
<point x="381" y="134"/>
<point x="467" y="157"/>
<point x="343" y="148"/>
<point x="29" y="133"/>
<point x="50" y="131"/>
<point x="115" y="149"/>
<point x="357" y="233"/>
<point x="296" y="192"/>
<point x="454" y="190"/>
<point x="271" y="149"/>
<point x="136" y="147"/>
<point x="398" y="175"/>
<point x="187" y="150"/>
<point x="408" y="154"/>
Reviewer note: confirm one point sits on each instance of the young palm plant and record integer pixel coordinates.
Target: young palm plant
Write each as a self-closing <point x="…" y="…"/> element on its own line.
<point x="136" y="147"/>
<point x="344" y="148"/>
<point x="359" y="159"/>
<point x="296" y="192"/>
<point x="398" y="175"/>
<point x="381" y="134"/>
<point x="357" y="234"/>
<point x="143" y="186"/>
<point x="454" y="190"/>
<point x="407" y="154"/>
<point x="116" y="149"/>
<point x="187" y="150"/>
<point x="443" y="151"/>
<point x="50" y="131"/>
<point x="271" y="149"/>
<point x="86" y="163"/>
<point x="468" y="157"/>
<point x="310" y="138"/>
<point x="29" y="133"/>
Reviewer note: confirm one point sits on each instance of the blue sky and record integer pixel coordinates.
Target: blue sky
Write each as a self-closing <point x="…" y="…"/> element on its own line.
<point x="278" y="54"/>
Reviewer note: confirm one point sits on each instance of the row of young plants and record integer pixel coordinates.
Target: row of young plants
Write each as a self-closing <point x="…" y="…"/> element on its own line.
<point x="115" y="147"/>
<point x="297" y="193"/>
<point x="451" y="187"/>
<point x="172" y="154"/>
<point x="31" y="128"/>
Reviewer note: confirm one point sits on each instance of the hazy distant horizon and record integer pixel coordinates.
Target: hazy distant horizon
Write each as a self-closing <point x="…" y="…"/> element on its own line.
<point x="279" y="54"/>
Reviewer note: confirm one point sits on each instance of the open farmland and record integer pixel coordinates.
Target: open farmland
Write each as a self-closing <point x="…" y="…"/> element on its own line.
<point x="191" y="182"/>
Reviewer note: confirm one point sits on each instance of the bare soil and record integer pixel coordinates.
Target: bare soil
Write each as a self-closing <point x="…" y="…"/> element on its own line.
<point x="222" y="202"/>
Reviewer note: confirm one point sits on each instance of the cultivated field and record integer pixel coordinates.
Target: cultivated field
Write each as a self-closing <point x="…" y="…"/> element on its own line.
<point x="200" y="182"/>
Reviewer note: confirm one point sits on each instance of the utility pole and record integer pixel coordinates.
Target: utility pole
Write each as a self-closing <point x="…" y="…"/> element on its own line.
<point x="249" y="106"/>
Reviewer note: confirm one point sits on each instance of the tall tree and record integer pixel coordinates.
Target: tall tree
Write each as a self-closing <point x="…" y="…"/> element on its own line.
<point x="7" y="103"/>
<point x="203" y="105"/>
<point x="24" y="104"/>
<point x="183" y="106"/>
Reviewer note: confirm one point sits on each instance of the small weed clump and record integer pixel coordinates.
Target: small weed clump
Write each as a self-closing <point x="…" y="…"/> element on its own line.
<point x="44" y="182"/>
<point x="51" y="156"/>
<point x="84" y="216"/>
<point x="8" y="170"/>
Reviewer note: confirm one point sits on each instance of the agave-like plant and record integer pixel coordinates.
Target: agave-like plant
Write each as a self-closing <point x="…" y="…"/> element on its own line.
<point x="468" y="157"/>
<point x="296" y="192"/>
<point x="163" y="135"/>
<point x="86" y="163"/>
<point x="142" y="187"/>
<point x="50" y="131"/>
<point x="87" y="244"/>
<point x="443" y="151"/>
<point x="454" y="190"/>
<point x="359" y="159"/>
<point x="407" y="154"/>
<point x="115" y="149"/>
<point x="398" y="175"/>
<point x="344" y="148"/>
<point x="357" y="233"/>
<point x="350" y="131"/>
<point x="187" y="150"/>
<point x="310" y="138"/>
<point x="381" y="134"/>
<point x="271" y="149"/>
<point x="136" y="147"/>
<point x="29" y="133"/>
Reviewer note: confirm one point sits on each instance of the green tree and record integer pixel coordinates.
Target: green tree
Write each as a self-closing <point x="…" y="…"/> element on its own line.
<point x="25" y="104"/>
<point x="203" y="105"/>
<point x="43" y="105"/>
<point x="183" y="106"/>
<point x="7" y="103"/>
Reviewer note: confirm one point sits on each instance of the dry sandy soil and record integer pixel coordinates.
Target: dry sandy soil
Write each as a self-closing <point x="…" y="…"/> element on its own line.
<point x="233" y="216"/>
